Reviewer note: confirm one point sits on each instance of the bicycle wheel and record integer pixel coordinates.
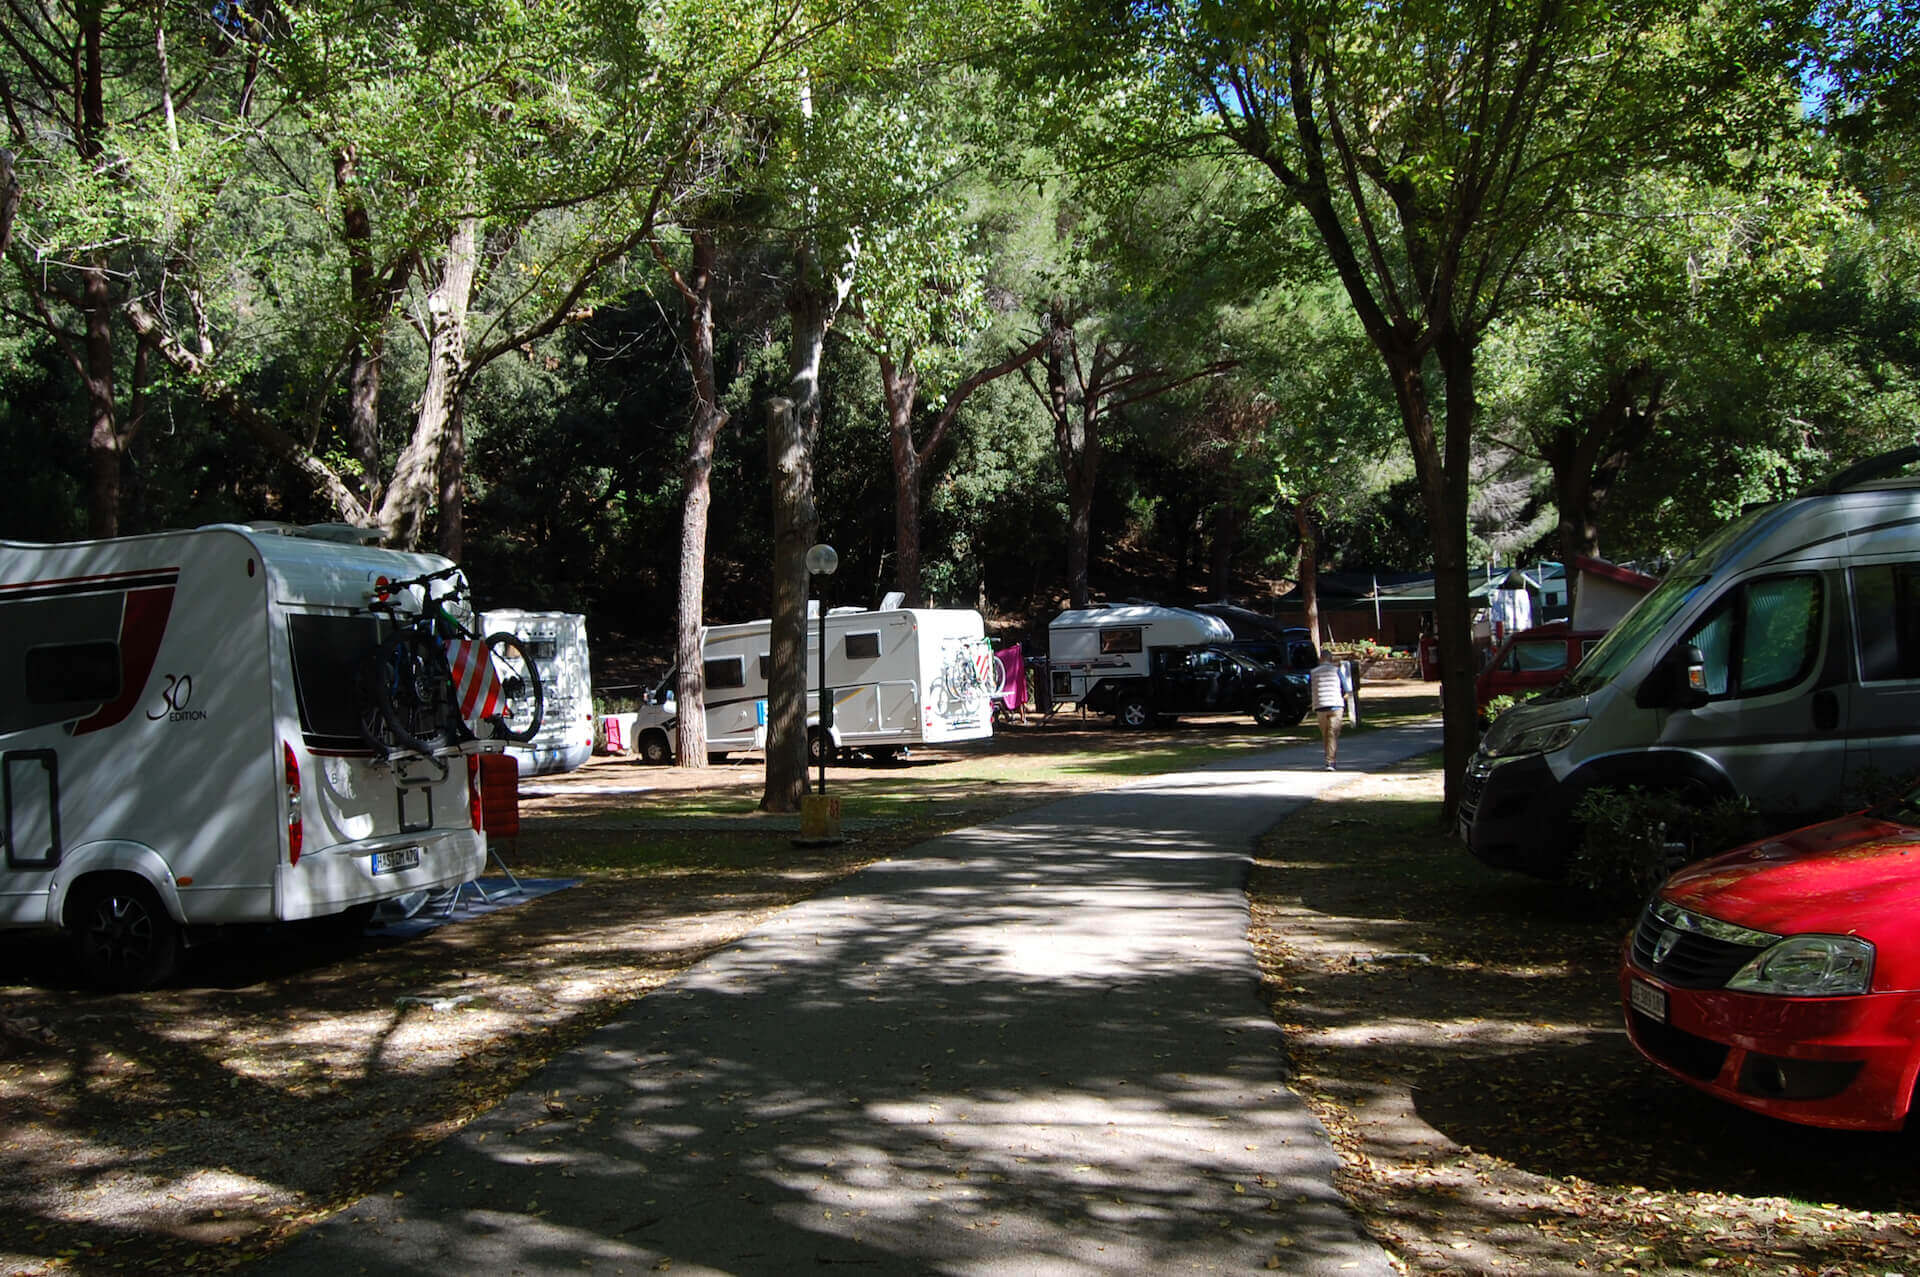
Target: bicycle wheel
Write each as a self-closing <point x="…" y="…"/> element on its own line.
<point x="524" y="700"/>
<point x="406" y="695"/>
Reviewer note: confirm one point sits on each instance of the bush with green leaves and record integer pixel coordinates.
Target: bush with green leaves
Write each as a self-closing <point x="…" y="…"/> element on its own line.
<point x="1630" y="840"/>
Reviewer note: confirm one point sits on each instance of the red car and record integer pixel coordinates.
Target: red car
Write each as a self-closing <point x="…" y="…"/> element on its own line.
<point x="1533" y="660"/>
<point x="1785" y="976"/>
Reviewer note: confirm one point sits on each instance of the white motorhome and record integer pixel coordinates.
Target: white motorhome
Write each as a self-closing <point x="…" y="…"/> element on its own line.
<point x="896" y="677"/>
<point x="557" y="644"/>
<point x="181" y="744"/>
<point x="1779" y="662"/>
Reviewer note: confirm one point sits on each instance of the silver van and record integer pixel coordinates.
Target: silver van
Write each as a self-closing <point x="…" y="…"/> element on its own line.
<point x="1779" y="661"/>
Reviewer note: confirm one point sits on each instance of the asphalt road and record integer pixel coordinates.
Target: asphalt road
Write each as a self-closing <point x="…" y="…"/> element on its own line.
<point x="1033" y="1046"/>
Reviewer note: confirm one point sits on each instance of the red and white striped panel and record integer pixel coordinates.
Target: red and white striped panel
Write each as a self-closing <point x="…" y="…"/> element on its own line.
<point x="475" y="682"/>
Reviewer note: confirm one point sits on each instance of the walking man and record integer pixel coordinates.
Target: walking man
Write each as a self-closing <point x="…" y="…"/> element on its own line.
<point x="1329" y="703"/>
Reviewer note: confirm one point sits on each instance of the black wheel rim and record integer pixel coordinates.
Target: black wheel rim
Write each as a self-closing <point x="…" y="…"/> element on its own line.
<point x="122" y="934"/>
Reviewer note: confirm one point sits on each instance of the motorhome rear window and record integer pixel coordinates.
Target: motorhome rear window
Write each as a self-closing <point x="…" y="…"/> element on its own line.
<point x="863" y="647"/>
<point x="1121" y="641"/>
<point x="541" y="649"/>
<point x="725" y="671"/>
<point x="73" y="673"/>
<point x="327" y="652"/>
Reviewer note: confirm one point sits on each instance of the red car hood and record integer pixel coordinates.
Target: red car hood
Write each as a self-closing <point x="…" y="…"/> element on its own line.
<point x="1856" y="875"/>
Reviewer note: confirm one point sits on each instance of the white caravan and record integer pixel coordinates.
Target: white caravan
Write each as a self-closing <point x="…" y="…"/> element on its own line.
<point x="896" y="677"/>
<point x="556" y="642"/>
<point x="180" y="744"/>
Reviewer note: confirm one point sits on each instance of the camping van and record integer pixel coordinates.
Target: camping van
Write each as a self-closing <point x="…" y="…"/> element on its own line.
<point x="181" y="744"/>
<point x="895" y="678"/>
<point x="1779" y="662"/>
<point x="1139" y="661"/>
<point x="556" y="642"/>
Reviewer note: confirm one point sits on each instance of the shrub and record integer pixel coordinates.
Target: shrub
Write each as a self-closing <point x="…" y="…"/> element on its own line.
<point x="1631" y="839"/>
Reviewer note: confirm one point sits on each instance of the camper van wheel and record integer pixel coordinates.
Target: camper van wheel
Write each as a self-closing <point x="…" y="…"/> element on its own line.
<point x="520" y="682"/>
<point x="1134" y="712"/>
<point x="817" y="746"/>
<point x="654" y="748"/>
<point x="123" y="936"/>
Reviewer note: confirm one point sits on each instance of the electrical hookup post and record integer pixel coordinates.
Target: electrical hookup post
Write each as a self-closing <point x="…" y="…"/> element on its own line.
<point x="819" y="821"/>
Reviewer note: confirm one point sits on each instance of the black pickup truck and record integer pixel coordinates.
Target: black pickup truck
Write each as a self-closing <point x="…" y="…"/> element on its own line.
<point x="1203" y="680"/>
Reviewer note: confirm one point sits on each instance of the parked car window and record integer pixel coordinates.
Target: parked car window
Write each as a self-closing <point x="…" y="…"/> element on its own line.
<point x="725" y="671"/>
<point x="1534" y="658"/>
<point x="1886" y="616"/>
<point x="1761" y="637"/>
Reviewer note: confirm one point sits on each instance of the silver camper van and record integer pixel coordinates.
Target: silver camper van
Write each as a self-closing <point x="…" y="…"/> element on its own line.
<point x="1780" y="661"/>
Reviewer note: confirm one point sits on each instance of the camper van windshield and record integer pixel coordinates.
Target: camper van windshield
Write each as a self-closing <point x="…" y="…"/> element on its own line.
<point x="1648" y="617"/>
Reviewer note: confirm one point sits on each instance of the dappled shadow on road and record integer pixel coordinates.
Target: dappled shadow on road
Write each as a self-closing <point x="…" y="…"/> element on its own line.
<point x="1038" y="1041"/>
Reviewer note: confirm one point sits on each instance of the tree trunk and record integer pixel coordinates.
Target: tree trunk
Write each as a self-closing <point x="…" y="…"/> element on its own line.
<point x="367" y="310"/>
<point x="452" y="471"/>
<point x="417" y="477"/>
<point x="1077" y="443"/>
<point x="1226" y="524"/>
<point x="1453" y="615"/>
<point x="104" y="452"/>
<point x="900" y="384"/>
<point x="793" y="529"/>
<point x="1309" y="569"/>
<point x="709" y="419"/>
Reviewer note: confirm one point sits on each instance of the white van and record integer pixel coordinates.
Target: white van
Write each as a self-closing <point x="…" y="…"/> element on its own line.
<point x="1780" y="661"/>
<point x="899" y="677"/>
<point x="556" y="642"/>
<point x="181" y="744"/>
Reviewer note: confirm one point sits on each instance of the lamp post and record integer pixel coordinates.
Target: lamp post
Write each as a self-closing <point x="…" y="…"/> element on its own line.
<point x="821" y="562"/>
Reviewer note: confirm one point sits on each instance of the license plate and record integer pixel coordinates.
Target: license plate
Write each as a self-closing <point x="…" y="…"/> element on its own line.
<point x="1647" y="1000"/>
<point x="387" y="862"/>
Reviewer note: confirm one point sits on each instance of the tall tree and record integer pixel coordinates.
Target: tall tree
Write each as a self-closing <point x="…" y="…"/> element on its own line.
<point x="1431" y="145"/>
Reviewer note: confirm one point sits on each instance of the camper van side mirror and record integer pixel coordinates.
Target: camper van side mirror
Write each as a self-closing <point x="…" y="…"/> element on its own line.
<point x="1691" y="678"/>
<point x="1679" y="681"/>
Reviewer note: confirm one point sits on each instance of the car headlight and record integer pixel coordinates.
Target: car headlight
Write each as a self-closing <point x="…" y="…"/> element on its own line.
<point x="1809" y="967"/>
<point x="1534" y="740"/>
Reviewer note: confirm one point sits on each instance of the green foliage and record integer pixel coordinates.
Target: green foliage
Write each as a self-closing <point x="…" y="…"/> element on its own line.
<point x="1630" y="840"/>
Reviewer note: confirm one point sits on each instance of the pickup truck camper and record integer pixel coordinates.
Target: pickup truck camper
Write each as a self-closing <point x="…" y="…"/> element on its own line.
<point x="1139" y="661"/>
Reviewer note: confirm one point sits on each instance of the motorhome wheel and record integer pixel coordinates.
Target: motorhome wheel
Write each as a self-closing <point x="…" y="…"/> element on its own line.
<point x="1133" y="711"/>
<point x="818" y="744"/>
<point x="654" y="748"/>
<point x="123" y="936"/>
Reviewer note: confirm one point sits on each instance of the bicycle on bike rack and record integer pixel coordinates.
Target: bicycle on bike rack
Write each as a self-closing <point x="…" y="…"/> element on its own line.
<point x="433" y="686"/>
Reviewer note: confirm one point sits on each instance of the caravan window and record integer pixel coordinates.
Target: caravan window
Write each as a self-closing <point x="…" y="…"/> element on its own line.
<point x="541" y="649"/>
<point x="1120" y="642"/>
<point x="863" y="647"/>
<point x="725" y="671"/>
<point x="1886" y="616"/>
<point x="327" y="652"/>
<point x="73" y="673"/>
